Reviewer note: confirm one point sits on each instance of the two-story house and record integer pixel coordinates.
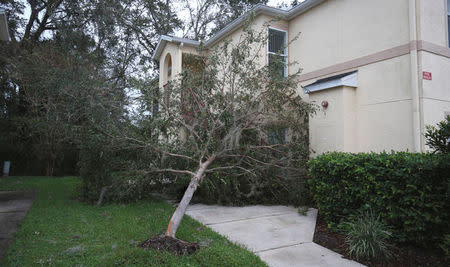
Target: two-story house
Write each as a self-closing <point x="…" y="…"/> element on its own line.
<point x="379" y="70"/>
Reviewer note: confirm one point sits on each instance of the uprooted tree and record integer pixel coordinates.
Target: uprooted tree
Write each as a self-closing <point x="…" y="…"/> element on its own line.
<point x="227" y="111"/>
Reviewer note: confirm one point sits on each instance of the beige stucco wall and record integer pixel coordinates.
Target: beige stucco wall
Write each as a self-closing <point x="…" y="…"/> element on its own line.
<point x="432" y="21"/>
<point x="375" y="116"/>
<point x="378" y="114"/>
<point x="385" y="106"/>
<point x="334" y="128"/>
<point x="258" y="24"/>
<point x="176" y="52"/>
<point x="384" y="119"/>
<point x="341" y="30"/>
<point x="435" y="93"/>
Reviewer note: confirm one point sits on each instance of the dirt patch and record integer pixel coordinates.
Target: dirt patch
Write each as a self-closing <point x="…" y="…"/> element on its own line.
<point x="402" y="255"/>
<point x="173" y="245"/>
<point x="324" y="237"/>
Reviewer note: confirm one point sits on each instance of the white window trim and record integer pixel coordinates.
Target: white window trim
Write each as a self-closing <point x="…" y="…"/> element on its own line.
<point x="286" y="67"/>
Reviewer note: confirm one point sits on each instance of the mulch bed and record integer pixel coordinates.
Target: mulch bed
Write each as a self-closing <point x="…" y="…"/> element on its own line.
<point x="402" y="255"/>
<point x="170" y="244"/>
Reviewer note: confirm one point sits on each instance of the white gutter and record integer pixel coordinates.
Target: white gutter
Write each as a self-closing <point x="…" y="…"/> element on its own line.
<point x="417" y="129"/>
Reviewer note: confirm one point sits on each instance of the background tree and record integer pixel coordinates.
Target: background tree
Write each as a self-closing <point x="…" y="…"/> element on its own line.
<point x="206" y="17"/>
<point x="231" y="10"/>
<point x="114" y="39"/>
<point x="61" y="92"/>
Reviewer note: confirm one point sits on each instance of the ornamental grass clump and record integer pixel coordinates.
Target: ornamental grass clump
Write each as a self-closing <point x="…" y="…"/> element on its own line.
<point x="367" y="238"/>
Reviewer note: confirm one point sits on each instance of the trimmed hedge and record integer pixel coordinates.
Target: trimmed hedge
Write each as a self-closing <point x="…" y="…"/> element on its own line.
<point x="410" y="191"/>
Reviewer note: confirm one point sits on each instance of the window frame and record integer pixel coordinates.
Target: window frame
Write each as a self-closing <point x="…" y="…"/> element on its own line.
<point x="286" y="50"/>
<point x="447" y="19"/>
<point x="274" y="133"/>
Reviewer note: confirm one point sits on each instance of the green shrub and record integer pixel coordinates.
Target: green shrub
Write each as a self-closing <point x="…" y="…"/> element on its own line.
<point x="128" y="187"/>
<point x="408" y="190"/>
<point x="367" y="237"/>
<point x="438" y="136"/>
<point x="113" y="168"/>
<point x="228" y="188"/>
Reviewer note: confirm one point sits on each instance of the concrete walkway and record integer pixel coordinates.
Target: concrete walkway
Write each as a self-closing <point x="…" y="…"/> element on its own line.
<point x="279" y="235"/>
<point x="13" y="209"/>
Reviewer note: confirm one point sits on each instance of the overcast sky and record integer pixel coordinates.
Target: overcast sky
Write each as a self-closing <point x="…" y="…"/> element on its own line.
<point x="277" y="2"/>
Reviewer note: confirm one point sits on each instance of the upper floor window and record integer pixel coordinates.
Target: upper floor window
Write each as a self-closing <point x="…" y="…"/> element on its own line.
<point x="169" y="69"/>
<point x="167" y="72"/>
<point x="276" y="136"/>
<point x="448" y="21"/>
<point x="277" y="51"/>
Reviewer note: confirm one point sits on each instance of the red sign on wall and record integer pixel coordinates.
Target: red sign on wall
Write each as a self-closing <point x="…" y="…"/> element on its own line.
<point x="427" y="76"/>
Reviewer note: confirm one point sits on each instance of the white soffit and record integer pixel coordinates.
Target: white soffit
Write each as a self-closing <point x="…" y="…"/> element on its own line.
<point x="349" y="79"/>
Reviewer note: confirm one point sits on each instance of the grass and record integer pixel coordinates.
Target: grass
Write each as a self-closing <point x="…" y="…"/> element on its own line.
<point x="108" y="235"/>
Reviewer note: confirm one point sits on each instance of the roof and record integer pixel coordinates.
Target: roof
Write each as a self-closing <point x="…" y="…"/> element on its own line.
<point x="257" y="10"/>
<point x="4" y="32"/>
<point x="346" y="79"/>
<point x="163" y="39"/>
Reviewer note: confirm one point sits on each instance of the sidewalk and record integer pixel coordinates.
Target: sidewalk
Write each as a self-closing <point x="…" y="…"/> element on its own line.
<point x="279" y="235"/>
<point x="13" y="209"/>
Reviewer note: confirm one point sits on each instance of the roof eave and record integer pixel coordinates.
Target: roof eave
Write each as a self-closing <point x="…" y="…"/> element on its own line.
<point x="302" y="8"/>
<point x="164" y="39"/>
<point x="266" y="10"/>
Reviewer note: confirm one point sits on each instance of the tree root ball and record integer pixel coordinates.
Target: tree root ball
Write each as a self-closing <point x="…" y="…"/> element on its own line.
<point x="173" y="245"/>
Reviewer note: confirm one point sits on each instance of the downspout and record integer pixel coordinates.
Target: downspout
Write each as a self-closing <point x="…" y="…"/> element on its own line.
<point x="417" y="131"/>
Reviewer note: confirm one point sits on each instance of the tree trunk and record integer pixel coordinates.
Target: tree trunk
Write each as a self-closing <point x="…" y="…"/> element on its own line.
<point x="181" y="209"/>
<point x="102" y="195"/>
<point x="49" y="170"/>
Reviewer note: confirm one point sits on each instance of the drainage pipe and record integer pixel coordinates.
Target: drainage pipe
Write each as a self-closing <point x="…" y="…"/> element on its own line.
<point x="417" y="130"/>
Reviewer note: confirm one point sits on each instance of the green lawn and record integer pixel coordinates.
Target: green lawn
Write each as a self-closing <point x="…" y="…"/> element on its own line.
<point x="107" y="235"/>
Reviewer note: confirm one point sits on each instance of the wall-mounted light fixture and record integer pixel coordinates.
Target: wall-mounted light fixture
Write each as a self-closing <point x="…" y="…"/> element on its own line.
<point x="324" y="104"/>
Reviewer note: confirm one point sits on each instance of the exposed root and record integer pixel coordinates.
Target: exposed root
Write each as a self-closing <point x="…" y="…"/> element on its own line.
<point x="173" y="245"/>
